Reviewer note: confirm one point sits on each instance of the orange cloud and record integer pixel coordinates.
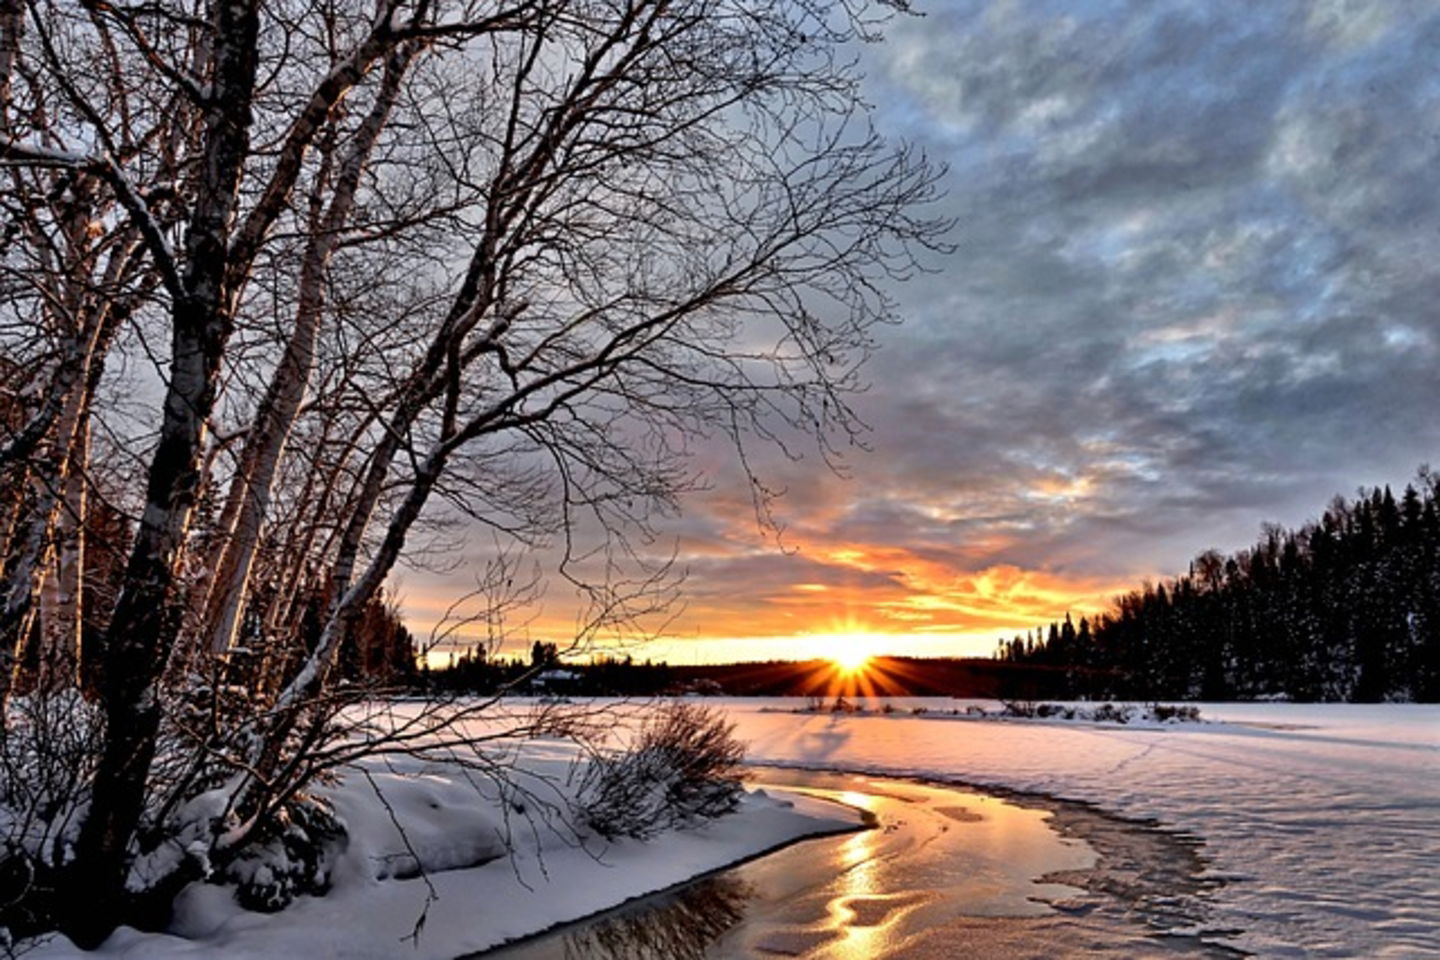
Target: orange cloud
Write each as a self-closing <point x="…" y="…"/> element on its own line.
<point x="937" y="589"/>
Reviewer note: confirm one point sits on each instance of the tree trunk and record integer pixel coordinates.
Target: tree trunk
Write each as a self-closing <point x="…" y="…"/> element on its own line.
<point x="254" y="481"/>
<point x="62" y="600"/>
<point x="344" y="614"/>
<point x="143" y="627"/>
<point x="26" y="575"/>
<point x="50" y="537"/>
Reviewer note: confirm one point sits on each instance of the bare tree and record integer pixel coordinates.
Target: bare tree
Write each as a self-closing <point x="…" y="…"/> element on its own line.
<point x="494" y="261"/>
<point x="72" y="273"/>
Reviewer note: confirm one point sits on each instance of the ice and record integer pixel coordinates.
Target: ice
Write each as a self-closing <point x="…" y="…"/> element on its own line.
<point x="1323" y="821"/>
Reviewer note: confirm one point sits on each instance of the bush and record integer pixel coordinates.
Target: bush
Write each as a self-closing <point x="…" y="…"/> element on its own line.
<point x="1167" y="713"/>
<point x="294" y="859"/>
<point x="1105" y="713"/>
<point x="1110" y="713"/>
<point x="683" y="766"/>
<point x="48" y="748"/>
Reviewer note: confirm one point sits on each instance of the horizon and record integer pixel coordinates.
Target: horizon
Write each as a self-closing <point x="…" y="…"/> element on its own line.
<point x="817" y="644"/>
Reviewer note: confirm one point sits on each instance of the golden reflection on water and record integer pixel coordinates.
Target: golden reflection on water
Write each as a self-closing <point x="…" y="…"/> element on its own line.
<point x="936" y="853"/>
<point x="862" y="917"/>
<point x="937" y="858"/>
<point x="859" y="855"/>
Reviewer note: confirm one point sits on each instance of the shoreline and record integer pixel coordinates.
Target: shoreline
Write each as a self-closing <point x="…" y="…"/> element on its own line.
<point x="1141" y="872"/>
<point x="866" y="822"/>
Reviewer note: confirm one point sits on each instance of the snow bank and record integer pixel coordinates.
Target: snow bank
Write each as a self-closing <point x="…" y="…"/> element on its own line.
<point x="1147" y="715"/>
<point x="457" y="828"/>
<point x="1323" y="819"/>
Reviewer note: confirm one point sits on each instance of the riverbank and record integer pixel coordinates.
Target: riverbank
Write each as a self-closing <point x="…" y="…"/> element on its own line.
<point x="948" y="872"/>
<point x="1317" y="824"/>
<point x="440" y="861"/>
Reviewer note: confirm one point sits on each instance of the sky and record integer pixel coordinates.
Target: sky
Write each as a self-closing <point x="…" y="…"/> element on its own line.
<point x="1193" y="290"/>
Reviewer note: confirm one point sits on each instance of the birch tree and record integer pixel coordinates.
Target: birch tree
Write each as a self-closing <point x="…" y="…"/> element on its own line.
<point x="497" y="261"/>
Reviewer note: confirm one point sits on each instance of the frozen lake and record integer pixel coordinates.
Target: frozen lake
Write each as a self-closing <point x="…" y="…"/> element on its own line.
<point x="943" y="872"/>
<point x="1283" y="830"/>
<point x="1322" y="821"/>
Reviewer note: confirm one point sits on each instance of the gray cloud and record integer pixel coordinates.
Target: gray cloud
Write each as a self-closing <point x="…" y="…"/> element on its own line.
<point x="1195" y="271"/>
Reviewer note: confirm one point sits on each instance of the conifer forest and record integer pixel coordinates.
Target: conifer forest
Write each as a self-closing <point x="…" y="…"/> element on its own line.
<point x="1345" y="608"/>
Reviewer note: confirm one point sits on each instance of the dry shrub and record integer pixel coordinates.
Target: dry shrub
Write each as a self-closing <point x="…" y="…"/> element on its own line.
<point x="683" y="766"/>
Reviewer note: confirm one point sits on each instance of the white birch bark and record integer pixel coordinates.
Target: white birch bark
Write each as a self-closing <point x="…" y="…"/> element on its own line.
<point x="253" y="484"/>
<point x="62" y="597"/>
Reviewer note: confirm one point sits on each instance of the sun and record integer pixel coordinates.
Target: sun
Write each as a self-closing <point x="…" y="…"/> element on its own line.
<point x="849" y="653"/>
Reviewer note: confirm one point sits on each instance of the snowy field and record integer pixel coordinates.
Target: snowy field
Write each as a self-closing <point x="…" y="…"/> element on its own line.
<point x="1323" y="819"/>
<point x="444" y="887"/>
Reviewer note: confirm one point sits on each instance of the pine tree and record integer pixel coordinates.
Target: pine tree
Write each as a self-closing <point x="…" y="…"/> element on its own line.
<point x="1346" y="608"/>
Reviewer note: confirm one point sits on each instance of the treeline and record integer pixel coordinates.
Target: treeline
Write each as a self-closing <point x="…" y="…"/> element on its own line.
<point x="476" y="671"/>
<point x="1346" y="608"/>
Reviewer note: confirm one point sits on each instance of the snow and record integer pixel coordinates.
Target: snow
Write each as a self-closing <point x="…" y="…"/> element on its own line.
<point x="1141" y="716"/>
<point x="38" y="153"/>
<point x="472" y="895"/>
<point x="474" y="908"/>
<point x="1323" y="819"/>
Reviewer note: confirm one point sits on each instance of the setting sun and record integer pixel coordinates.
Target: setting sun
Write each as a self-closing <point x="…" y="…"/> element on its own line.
<point x="849" y="653"/>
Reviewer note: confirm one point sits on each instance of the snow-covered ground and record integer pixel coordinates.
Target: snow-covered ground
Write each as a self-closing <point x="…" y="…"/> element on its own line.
<point x="471" y="896"/>
<point x="1323" y="819"/>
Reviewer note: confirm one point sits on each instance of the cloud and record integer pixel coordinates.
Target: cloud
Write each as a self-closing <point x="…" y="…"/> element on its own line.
<point x="1194" y="277"/>
<point x="1195" y="288"/>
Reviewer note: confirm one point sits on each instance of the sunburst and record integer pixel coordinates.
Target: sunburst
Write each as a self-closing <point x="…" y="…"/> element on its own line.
<point x="850" y="653"/>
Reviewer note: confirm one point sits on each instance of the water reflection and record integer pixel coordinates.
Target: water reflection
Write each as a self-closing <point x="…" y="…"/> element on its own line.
<point x="945" y="872"/>
<point x="859" y="929"/>
<point x="677" y="926"/>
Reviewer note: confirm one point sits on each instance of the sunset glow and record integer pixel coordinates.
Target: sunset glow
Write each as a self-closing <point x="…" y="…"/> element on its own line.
<point x="850" y="653"/>
<point x="845" y="605"/>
